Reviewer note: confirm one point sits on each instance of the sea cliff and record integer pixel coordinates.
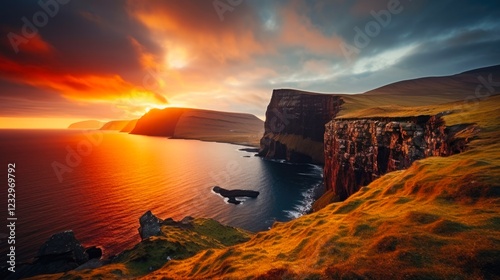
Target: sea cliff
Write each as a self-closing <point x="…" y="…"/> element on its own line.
<point x="295" y="125"/>
<point x="358" y="151"/>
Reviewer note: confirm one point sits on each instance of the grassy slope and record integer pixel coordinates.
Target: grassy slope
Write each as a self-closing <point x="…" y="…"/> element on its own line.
<point x="437" y="220"/>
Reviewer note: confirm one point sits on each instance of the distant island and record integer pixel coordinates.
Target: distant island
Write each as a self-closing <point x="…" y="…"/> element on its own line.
<point x="90" y="124"/>
<point x="122" y="126"/>
<point x="187" y="123"/>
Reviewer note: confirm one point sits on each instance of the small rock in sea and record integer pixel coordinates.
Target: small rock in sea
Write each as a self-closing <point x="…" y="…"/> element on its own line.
<point x="233" y="194"/>
<point x="93" y="252"/>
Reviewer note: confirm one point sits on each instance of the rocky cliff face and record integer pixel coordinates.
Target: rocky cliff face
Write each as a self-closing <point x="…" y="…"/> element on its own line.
<point x="357" y="151"/>
<point x="295" y="125"/>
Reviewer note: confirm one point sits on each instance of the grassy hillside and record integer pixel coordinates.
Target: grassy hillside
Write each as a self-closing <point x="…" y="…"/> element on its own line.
<point x="426" y="91"/>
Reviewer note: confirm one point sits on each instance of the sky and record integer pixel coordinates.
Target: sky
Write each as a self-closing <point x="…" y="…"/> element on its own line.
<point x="67" y="60"/>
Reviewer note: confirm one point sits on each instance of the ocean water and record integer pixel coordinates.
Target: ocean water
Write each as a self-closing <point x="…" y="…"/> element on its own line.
<point x="98" y="184"/>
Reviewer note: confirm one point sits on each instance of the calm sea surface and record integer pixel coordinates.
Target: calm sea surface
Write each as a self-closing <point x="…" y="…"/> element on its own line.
<point x="108" y="180"/>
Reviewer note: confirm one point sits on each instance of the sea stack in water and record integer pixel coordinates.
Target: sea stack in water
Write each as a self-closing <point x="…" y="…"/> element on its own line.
<point x="233" y="194"/>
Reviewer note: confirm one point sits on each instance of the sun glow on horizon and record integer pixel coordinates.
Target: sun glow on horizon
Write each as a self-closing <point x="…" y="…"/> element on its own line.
<point x="36" y="123"/>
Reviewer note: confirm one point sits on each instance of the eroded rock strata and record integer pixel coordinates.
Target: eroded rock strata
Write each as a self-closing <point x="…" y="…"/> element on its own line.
<point x="357" y="151"/>
<point x="295" y="125"/>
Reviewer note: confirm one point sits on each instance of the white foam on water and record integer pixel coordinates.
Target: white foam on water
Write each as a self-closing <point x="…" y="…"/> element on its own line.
<point x="305" y="205"/>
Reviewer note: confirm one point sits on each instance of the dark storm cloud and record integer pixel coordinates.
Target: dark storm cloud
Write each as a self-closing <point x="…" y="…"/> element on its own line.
<point x="89" y="36"/>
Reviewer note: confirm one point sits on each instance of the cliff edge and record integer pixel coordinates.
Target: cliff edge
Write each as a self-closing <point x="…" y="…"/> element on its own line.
<point x="295" y="125"/>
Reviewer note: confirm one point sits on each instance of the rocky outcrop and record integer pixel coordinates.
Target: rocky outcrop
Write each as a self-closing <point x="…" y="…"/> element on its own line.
<point x="357" y="151"/>
<point x="177" y="240"/>
<point x="295" y="125"/>
<point x="62" y="252"/>
<point x="63" y="245"/>
<point x="149" y="225"/>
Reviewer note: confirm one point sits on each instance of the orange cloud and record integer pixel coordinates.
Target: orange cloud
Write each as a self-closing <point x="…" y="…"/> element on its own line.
<point x="199" y="32"/>
<point x="36" y="45"/>
<point x="85" y="87"/>
<point x="147" y="59"/>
